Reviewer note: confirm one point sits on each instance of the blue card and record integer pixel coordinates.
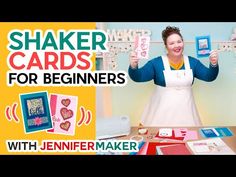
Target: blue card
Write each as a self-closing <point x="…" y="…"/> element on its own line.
<point x="209" y="132"/>
<point x="35" y="111"/>
<point x="224" y="131"/>
<point x="203" y="46"/>
<point x="216" y="132"/>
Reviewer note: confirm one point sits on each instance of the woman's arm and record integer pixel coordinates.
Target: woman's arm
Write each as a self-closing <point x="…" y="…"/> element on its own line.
<point x="211" y="73"/>
<point x="143" y="74"/>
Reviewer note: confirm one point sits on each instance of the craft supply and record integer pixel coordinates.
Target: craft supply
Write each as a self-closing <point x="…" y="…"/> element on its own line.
<point x="136" y="138"/>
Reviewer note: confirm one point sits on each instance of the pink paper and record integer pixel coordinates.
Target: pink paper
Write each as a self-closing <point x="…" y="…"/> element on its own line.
<point x="141" y="45"/>
<point x="143" y="150"/>
<point x="180" y="132"/>
<point x="191" y="135"/>
<point x="63" y="111"/>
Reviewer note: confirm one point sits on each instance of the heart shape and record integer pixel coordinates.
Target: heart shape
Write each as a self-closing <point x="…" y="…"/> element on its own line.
<point x="65" y="102"/>
<point x="65" y="126"/>
<point x="66" y="113"/>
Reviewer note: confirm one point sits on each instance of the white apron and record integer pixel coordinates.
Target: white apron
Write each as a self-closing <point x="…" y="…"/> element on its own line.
<point x="173" y="105"/>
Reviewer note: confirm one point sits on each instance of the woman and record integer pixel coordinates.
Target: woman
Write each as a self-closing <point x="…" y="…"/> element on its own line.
<point x="172" y="103"/>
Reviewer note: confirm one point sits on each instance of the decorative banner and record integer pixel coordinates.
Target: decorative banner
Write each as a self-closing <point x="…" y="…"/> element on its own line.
<point x="123" y="41"/>
<point x="110" y="58"/>
<point x="227" y="46"/>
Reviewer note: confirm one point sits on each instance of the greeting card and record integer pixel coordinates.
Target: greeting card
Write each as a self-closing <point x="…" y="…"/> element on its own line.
<point x="168" y="133"/>
<point x="215" y="132"/>
<point x="63" y="111"/>
<point x="35" y="111"/>
<point x="209" y="132"/>
<point x="213" y="146"/>
<point x="141" y="45"/>
<point x="203" y="46"/>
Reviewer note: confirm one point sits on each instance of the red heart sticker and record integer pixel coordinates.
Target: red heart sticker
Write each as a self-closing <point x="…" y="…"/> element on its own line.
<point x="65" y="102"/>
<point x="66" y="113"/>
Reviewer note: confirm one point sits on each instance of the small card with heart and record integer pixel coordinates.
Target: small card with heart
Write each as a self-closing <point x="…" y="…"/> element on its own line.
<point x="63" y="111"/>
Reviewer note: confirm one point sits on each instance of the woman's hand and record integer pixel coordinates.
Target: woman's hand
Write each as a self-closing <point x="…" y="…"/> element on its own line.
<point x="213" y="57"/>
<point x="133" y="60"/>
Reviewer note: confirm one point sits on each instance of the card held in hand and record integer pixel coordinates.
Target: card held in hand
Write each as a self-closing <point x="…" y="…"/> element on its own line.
<point x="35" y="111"/>
<point x="142" y="45"/>
<point x="203" y="46"/>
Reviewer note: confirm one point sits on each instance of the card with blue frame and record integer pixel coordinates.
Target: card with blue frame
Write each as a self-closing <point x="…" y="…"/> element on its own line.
<point x="224" y="131"/>
<point x="209" y="132"/>
<point x="36" y="111"/>
<point x="203" y="46"/>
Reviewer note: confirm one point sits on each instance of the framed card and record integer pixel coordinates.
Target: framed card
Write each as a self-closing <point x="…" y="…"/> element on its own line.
<point x="35" y="111"/>
<point x="203" y="46"/>
<point x="209" y="132"/>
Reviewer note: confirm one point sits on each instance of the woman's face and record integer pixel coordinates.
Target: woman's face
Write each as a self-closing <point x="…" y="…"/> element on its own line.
<point x="175" y="45"/>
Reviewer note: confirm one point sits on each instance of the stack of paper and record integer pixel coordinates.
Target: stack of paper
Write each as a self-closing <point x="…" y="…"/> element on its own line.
<point x="176" y="149"/>
<point x="214" y="146"/>
<point x="163" y="148"/>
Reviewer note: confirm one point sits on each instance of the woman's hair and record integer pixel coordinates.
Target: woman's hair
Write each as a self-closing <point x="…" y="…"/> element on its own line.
<point x="169" y="31"/>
